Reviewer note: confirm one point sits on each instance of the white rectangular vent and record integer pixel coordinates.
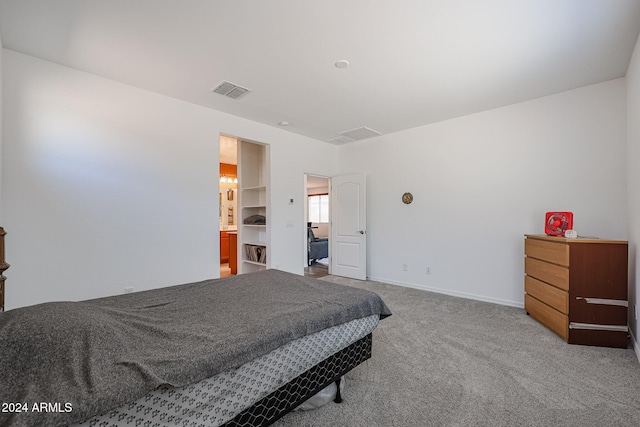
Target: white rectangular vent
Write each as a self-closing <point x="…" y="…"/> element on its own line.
<point x="230" y="90"/>
<point x="360" y="133"/>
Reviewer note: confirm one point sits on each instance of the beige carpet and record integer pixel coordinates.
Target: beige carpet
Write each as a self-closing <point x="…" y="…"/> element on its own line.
<point x="446" y="361"/>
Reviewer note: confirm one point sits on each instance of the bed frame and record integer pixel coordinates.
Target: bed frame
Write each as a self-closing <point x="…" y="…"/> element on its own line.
<point x="270" y="408"/>
<point x="294" y="393"/>
<point x="3" y="267"/>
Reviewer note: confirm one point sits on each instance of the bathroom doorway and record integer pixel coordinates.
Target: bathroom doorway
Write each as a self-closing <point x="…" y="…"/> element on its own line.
<point x="228" y="214"/>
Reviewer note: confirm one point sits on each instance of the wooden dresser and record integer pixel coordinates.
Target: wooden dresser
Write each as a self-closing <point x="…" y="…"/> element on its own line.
<point x="3" y="267"/>
<point x="578" y="288"/>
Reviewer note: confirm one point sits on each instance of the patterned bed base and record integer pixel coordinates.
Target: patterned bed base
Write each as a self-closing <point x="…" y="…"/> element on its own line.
<point x="297" y="391"/>
<point x="217" y="400"/>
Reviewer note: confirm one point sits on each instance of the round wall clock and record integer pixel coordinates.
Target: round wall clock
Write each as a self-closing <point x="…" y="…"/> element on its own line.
<point x="407" y="198"/>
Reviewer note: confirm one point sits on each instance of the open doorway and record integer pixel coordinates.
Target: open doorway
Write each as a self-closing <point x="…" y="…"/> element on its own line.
<point x="228" y="205"/>
<point x="244" y="206"/>
<point x="318" y="226"/>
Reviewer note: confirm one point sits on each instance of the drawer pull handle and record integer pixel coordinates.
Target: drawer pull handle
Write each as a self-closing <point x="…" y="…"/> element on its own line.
<point x="602" y="301"/>
<point x="594" y="327"/>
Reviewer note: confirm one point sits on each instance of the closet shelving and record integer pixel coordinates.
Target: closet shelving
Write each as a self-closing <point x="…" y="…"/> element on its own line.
<point x="254" y="201"/>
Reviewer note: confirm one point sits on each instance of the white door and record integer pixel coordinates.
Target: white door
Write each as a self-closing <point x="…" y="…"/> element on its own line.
<point x="348" y="226"/>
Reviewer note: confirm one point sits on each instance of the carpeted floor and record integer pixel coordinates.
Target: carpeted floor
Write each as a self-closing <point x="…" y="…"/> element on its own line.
<point x="446" y="361"/>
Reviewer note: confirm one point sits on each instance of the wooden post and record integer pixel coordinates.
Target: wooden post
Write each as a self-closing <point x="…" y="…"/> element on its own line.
<point x="3" y="267"/>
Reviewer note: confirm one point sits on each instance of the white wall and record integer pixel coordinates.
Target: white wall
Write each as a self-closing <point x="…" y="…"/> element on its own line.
<point x="633" y="190"/>
<point x="1" y="84"/>
<point x="481" y="182"/>
<point x="107" y="186"/>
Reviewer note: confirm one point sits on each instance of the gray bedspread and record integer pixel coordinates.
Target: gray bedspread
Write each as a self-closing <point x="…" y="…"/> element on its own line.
<point x="84" y="358"/>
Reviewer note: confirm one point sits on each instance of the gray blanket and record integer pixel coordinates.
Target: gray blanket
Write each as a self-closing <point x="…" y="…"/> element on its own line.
<point x="84" y="358"/>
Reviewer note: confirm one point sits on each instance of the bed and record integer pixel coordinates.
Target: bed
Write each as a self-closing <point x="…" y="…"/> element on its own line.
<point x="238" y="351"/>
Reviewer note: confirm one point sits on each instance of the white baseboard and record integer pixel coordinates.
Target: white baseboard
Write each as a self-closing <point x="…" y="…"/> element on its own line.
<point x="518" y="304"/>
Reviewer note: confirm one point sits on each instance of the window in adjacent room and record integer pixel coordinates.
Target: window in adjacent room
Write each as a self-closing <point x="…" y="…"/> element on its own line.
<point x="318" y="208"/>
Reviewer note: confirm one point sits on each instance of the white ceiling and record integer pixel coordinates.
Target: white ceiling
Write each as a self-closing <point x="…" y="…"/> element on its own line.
<point x="412" y="62"/>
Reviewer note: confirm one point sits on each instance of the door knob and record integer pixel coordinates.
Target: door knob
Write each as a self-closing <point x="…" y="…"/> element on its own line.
<point x="361" y="231"/>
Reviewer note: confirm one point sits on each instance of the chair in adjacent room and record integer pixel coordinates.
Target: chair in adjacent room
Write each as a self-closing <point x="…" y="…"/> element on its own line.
<point x="317" y="248"/>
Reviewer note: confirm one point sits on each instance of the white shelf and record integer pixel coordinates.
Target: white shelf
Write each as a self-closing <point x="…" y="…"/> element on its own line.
<point x="253" y="200"/>
<point x="254" y="243"/>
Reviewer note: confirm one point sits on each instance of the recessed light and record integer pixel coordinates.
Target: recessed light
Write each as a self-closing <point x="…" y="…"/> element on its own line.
<point x="342" y="64"/>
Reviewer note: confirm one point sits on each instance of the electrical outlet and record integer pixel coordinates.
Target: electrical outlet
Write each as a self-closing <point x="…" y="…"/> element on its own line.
<point x="128" y="290"/>
<point x="405" y="267"/>
<point x="428" y="270"/>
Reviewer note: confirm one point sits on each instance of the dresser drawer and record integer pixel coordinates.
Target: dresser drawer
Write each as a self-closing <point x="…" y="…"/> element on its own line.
<point x="557" y="253"/>
<point x="548" y="294"/>
<point x="553" y="274"/>
<point x="553" y="319"/>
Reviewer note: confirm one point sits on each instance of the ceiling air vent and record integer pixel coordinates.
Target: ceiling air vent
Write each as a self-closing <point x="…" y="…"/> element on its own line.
<point x="359" y="133"/>
<point x="230" y="90"/>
